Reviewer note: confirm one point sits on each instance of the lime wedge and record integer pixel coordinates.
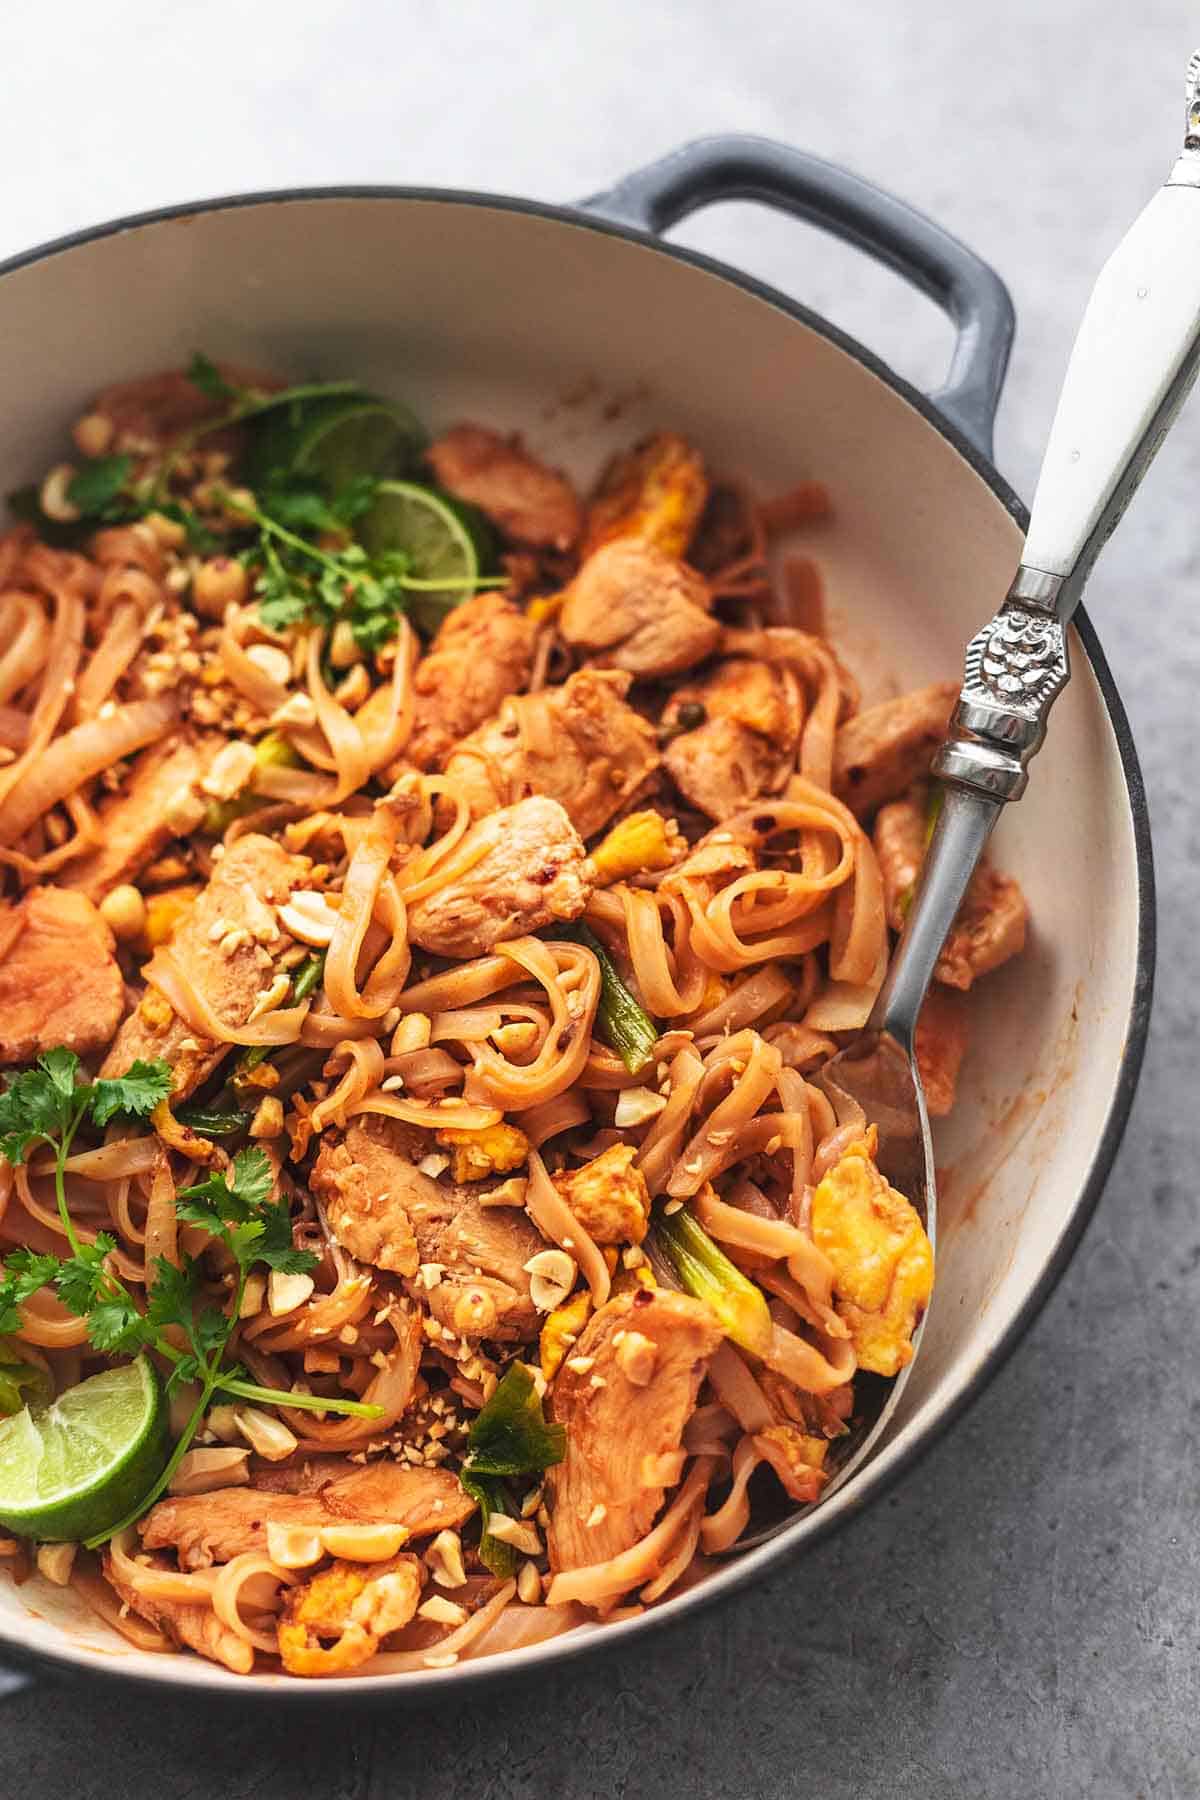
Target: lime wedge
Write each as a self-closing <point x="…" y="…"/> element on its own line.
<point x="71" y="1469"/>
<point x="335" y="437"/>
<point x="442" y="540"/>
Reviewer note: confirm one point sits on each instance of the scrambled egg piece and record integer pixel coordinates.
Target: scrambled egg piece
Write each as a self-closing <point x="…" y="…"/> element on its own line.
<point x="492" y="1150"/>
<point x="560" y="1331"/>
<point x="882" y="1259"/>
<point x="164" y="911"/>
<point x="609" y="1196"/>
<point x="352" y="1604"/>
<point x="656" y="493"/>
<point x="643" y="840"/>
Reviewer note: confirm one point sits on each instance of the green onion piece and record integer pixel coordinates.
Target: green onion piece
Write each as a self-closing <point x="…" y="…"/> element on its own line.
<point x="623" y="1020"/>
<point x="271" y="752"/>
<point x="308" y="977"/>
<point x="213" y="1121"/>
<point x="707" y="1273"/>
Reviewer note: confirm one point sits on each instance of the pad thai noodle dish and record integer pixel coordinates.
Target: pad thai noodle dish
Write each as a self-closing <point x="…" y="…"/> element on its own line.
<point x="430" y="895"/>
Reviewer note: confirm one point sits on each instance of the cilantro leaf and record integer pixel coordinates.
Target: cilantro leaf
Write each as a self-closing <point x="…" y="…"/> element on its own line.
<point x="25" y="1271"/>
<point x="171" y="1295"/>
<point x="204" y="374"/>
<point x="37" y="1103"/>
<point x="275" y="1247"/>
<point x="62" y="1066"/>
<point x="81" y="1279"/>
<point x="98" y="484"/>
<point x="510" y="1435"/>
<point x="136" y="1092"/>
<point x="115" y="1325"/>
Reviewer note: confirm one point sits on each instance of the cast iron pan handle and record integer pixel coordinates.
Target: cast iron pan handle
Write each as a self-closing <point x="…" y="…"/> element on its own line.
<point x="792" y="181"/>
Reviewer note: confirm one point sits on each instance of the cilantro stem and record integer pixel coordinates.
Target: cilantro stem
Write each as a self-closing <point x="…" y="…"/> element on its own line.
<point x="248" y="1390"/>
<point x="61" y="1152"/>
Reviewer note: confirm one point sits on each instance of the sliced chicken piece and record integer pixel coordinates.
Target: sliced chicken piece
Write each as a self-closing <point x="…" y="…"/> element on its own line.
<point x="880" y="753"/>
<point x="899" y="836"/>
<point x="634" y="608"/>
<point x="385" y="1211"/>
<point x="653" y="494"/>
<point x="990" y="927"/>
<point x="579" y="744"/>
<point x="532" y="870"/>
<point x="529" y="502"/>
<point x="484" y="1289"/>
<point x="213" y="1528"/>
<point x="940" y="1045"/>
<point x="228" y="944"/>
<point x="482" y="653"/>
<point x="135" y="823"/>
<point x="360" y="1492"/>
<point x="335" y="1621"/>
<point x="744" y="746"/>
<point x="376" y="1198"/>
<point x="720" y="767"/>
<point x="59" y="980"/>
<point x="196" y="1626"/>
<point x="882" y="1259"/>
<point x="625" y="1413"/>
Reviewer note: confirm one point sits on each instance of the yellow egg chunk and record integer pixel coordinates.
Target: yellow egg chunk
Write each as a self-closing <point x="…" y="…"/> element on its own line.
<point x="491" y="1150"/>
<point x="882" y="1259"/>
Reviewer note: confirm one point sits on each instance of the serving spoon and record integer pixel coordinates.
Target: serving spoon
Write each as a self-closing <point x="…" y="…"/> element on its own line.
<point x="1134" y="359"/>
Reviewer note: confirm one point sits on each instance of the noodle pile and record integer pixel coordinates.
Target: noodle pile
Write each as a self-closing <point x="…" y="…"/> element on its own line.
<point x="754" y="936"/>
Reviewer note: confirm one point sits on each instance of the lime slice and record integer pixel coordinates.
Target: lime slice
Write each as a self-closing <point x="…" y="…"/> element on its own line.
<point x="442" y="540"/>
<point x="72" y="1469"/>
<point x="335" y="437"/>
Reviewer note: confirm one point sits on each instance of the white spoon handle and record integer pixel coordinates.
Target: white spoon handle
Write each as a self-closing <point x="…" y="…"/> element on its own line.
<point x="1134" y="359"/>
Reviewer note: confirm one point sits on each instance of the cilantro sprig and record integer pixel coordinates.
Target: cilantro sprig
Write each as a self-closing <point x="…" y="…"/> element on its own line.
<point x="46" y="1105"/>
<point x="299" y="582"/>
<point x="509" y="1439"/>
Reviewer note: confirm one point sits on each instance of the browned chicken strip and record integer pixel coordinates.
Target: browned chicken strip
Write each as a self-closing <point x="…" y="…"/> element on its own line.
<point x="940" y="1045"/>
<point x="482" y="653"/>
<point x="751" y="725"/>
<point x="646" y="1354"/>
<point x="376" y="1199"/>
<point x="634" y="608"/>
<point x="533" y="869"/>
<point x="529" y="502"/>
<point x="59" y="980"/>
<point x="228" y="944"/>
<point x="880" y="753"/>
<point x="579" y="744"/>
<point x="991" y="922"/>
<point x="212" y="1528"/>
<point x="196" y="1626"/>
<point x="385" y="1211"/>
<point x="136" y="823"/>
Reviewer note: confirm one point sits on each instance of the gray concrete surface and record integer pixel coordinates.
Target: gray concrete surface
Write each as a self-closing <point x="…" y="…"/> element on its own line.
<point x="1020" y="1617"/>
